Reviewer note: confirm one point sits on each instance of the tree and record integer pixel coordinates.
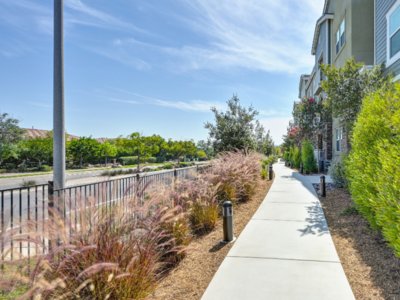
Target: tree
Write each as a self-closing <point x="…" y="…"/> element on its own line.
<point x="263" y="140"/>
<point x="83" y="150"/>
<point x="10" y="135"/>
<point x="233" y="129"/>
<point x="347" y="86"/>
<point x="207" y="147"/>
<point x="305" y="113"/>
<point x="107" y="150"/>
<point x="39" y="150"/>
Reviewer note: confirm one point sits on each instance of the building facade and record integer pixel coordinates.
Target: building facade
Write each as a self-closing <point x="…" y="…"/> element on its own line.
<point x="345" y="30"/>
<point x="387" y="36"/>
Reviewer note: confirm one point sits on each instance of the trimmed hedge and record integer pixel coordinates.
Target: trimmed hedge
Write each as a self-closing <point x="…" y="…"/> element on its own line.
<point x="373" y="165"/>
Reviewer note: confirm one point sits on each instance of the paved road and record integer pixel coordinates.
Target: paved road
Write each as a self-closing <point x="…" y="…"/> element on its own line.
<point x="72" y="178"/>
<point x="285" y="251"/>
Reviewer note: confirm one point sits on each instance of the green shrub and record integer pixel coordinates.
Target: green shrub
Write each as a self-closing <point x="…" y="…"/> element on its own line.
<point x="28" y="183"/>
<point x="151" y="160"/>
<point x="184" y="164"/>
<point x="203" y="217"/>
<point x="296" y="157"/>
<point x="45" y="168"/>
<point x="337" y="172"/>
<point x="10" y="166"/>
<point x="307" y="157"/>
<point x="373" y="167"/>
<point x="286" y="156"/>
<point x="168" y="166"/>
<point x="264" y="173"/>
<point x="129" y="160"/>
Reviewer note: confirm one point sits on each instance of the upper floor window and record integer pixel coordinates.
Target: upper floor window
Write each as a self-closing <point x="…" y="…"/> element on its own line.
<point x="341" y="36"/>
<point x="339" y="137"/>
<point x="393" y="35"/>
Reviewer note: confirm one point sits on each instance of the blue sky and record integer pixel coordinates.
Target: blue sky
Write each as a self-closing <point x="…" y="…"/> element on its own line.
<point x="155" y="66"/>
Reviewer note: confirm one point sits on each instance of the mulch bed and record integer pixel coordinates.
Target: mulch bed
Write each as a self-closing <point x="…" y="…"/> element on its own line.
<point x="370" y="265"/>
<point x="191" y="277"/>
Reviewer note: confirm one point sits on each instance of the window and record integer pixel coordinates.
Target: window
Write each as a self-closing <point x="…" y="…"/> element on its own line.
<point x="341" y="36"/>
<point x="339" y="137"/>
<point x="393" y="36"/>
<point x="320" y="63"/>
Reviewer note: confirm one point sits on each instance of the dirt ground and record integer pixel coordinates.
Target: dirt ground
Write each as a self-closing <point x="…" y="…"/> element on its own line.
<point x="370" y="265"/>
<point x="191" y="278"/>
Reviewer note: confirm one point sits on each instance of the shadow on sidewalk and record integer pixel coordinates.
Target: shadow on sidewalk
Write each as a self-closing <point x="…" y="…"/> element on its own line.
<point x="317" y="223"/>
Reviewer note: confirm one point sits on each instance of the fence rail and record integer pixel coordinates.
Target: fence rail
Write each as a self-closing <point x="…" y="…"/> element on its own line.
<point x="25" y="205"/>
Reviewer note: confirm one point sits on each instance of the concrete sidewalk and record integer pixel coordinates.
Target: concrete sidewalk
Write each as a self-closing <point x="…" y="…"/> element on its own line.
<point x="285" y="251"/>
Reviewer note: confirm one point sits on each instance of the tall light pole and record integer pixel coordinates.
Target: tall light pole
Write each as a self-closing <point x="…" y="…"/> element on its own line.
<point x="58" y="101"/>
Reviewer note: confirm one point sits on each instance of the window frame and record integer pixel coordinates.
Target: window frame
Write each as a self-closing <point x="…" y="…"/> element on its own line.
<point x="341" y="36"/>
<point x="394" y="58"/>
<point x="339" y="137"/>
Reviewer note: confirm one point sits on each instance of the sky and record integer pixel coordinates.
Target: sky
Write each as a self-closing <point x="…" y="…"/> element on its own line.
<point x="156" y="67"/>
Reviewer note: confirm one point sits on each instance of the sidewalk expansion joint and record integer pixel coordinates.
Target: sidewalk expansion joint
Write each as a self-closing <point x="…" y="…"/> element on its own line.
<point x="289" y="259"/>
<point x="279" y="220"/>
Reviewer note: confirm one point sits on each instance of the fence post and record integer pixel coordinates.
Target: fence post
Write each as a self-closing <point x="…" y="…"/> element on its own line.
<point x="175" y="175"/>
<point x="50" y="207"/>
<point x="322" y="186"/>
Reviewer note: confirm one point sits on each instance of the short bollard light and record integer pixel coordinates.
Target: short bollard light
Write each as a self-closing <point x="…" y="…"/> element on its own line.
<point x="270" y="172"/>
<point x="227" y="215"/>
<point x="322" y="186"/>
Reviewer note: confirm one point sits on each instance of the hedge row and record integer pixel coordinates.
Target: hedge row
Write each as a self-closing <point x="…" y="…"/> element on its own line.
<point x="373" y="165"/>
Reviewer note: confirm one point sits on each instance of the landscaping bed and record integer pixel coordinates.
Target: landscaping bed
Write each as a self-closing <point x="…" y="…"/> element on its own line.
<point x="191" y="278"/>
<point x="370" y="265"/>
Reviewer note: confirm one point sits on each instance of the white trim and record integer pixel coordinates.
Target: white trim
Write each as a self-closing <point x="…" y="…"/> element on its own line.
<point x="390" y="60"/>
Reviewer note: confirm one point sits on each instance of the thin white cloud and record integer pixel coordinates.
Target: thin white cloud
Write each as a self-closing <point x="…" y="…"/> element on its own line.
<point x="190" y="105"/>
<point x="123" y="101"/>
<point x="97" y="17"/>
<point x="40" y="104"/>
<point x="264" y="35"/>
<point x="195" y="105"/>
<point x="121" y="55"/>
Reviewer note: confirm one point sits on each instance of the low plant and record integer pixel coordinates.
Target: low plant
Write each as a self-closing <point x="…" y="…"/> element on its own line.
<point x="307" y="157"/>
<point x="338" y="173"/>
<point x="237" y="174"/>
<point x="28" y="183"/>
<point x="349" y="211"/>
<point x="120" y="253"/>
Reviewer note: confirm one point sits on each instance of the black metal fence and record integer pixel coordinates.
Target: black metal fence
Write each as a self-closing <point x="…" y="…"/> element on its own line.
<point x="28" y="208"/>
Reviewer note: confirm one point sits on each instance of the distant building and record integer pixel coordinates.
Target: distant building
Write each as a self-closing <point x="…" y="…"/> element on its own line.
<point x="31" y="133"/>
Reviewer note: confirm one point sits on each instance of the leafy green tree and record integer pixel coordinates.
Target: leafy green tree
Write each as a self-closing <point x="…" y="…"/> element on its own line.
<point x="305" y="113"/>
<point x="207" y="147"/>
<point x="263" y="140"/>
<point x="39" y="150"/>
<point x="347" y="86"/>
<point x="233" y="129"/>
<point x="10" y="135"/>
<point x="107" y="150"/>
<point x="83" y="150"/>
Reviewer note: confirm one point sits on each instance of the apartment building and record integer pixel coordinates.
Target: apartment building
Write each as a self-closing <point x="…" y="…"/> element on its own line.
<point x="345" y="30"/>
<point x="387" y="35"/>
